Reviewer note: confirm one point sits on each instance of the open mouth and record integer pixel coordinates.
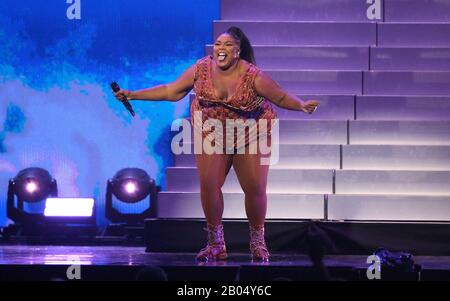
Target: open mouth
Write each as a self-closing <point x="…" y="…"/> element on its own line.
<point x="221" y="56"/>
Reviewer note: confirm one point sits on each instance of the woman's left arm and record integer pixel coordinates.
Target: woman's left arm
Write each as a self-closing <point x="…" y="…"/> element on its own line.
<point x="268" y="88"/>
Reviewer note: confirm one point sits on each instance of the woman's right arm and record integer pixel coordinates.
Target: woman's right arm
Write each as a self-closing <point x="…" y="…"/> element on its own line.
<point x="172" y="92"/>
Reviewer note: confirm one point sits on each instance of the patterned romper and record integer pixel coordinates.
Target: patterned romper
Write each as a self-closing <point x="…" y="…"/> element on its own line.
<point x="244" y="104"/>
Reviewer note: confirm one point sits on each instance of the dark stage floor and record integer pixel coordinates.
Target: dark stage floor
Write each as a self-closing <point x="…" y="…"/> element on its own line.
<point x="25" y="262"/>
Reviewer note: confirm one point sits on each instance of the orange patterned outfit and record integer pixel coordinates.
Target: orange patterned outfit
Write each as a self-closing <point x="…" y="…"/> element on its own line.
<point x="244" y="104"/>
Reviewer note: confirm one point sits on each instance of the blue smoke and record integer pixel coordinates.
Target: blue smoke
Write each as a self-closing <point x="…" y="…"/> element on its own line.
<point x="56" y="108"/>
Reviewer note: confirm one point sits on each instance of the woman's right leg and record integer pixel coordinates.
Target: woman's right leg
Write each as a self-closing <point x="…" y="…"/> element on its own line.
<point x="212" y="170"/>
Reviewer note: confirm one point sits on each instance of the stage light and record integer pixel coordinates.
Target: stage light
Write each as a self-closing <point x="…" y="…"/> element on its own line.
<point x="36" y="211"/>
<point x="69" y="207"/>
<point x="130" y="186"/>
<point x="70" y="217"/>
<point x="33" y="186"/>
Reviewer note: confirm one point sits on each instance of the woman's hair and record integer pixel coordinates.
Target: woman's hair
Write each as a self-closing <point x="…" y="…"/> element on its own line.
<point x="246" y="51"/>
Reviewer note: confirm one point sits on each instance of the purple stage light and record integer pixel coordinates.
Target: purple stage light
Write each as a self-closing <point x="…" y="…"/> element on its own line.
<point x="31" y="187"/>
<point x="130" y="187"/>
<point x="82" y="207"/>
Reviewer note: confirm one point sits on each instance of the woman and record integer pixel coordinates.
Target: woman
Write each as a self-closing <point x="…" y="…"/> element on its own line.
<point x="228" y="85"/>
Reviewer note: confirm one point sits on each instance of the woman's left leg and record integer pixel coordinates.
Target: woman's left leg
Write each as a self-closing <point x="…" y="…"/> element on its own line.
<point x="252" y="176"/>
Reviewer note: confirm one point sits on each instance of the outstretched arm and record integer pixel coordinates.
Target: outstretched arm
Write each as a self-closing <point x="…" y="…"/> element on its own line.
<point x="268" y="88"/>
<point x="172" y="92"/>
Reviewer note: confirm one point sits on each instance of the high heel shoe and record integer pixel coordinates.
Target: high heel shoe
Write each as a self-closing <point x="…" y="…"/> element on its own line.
<point x="258" y="248"/>
<point x="215" y="248"/>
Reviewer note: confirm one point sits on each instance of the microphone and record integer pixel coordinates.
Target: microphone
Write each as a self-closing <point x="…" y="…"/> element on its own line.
<point x="116" y="88"/>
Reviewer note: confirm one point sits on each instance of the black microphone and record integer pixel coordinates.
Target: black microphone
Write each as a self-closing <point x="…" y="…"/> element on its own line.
<point x="116" y="88"/>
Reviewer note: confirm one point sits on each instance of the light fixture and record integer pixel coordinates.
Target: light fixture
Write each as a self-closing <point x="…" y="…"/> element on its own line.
<point x="70" y="216"/>
<point x="37" y="212"/>
<point x="32" y="186"/>
<point x="69" y="207"/>
<point x="131" y="186"/>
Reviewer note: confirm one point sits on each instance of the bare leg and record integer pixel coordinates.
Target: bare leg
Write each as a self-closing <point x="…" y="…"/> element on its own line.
<point x="252" y="176"/>
<point x="212" y="170"/>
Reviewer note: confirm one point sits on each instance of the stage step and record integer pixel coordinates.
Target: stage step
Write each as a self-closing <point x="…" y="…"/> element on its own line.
<point x="335" y="10"/>
<point x="363" y="238"/>
<point x="303" y="33"/>
<point x="288" y="10"/>
<point x="395" y="157"/>
<point x="388" y="83"/>
<point x="350" y="58"/>
<point x="388" y="207"/>
<point x="428" y="83"/>
<point x="332" y="107"/>
<point x="309" y="57"/>
<point x="188" y="205"/>
<point x="414" y="34"/>
<point x="293" y="131"/>
<point x="304" y="181"/>
<point x="403" y="182"/>
<point x="402" y="108"/>
<point x="372" y="107"/>
<point x="354" y="157"/>
<point x="341" y="34"/>
<point x="400" y="132"/>
<point x="291" y="156"/>
<point x="416" y="11"/>
<point x="319" y="81"/>
<point x="408" y="59"/>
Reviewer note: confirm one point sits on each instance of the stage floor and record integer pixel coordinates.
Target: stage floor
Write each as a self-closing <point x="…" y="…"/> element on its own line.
<point x="27" y="262"/>
<point x="124" y="255"/>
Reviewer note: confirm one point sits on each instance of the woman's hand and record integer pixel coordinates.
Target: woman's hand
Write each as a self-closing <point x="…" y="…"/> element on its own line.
<point x="310" y="106"/>
<point x="122" y="95"/>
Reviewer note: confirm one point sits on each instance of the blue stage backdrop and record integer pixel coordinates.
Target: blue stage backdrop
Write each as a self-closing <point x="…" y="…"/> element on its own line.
<point x="57" y="58"/>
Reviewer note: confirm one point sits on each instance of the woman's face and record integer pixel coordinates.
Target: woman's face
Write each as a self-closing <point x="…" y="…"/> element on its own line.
<point x="226" y="51"/>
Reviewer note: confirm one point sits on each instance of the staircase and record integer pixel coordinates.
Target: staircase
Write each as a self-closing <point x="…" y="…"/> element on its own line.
<point x="378" y="147"/>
